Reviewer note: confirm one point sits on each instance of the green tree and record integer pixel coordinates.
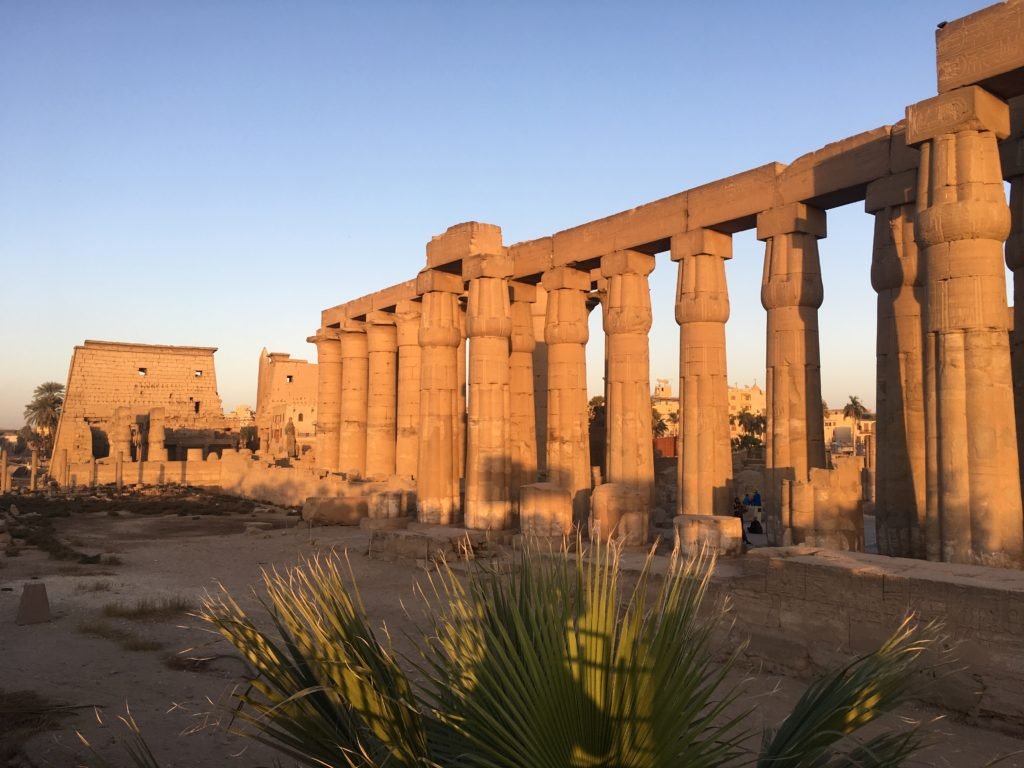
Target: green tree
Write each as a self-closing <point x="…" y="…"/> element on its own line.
<point x="43" y="413"/>
<point x="658" y="425"/>
<point x="855" y="410"/>
<point x="752" y="425"/>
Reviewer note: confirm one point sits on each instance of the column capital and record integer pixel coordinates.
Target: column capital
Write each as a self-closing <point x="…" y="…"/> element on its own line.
<point x="497" y="265"/>
<point x="964" y="109"/>
<point x="701" y="241"/>
<point x="566" y="278"/>
<point x="323" y="335"/>
<point x="380" y="317"/>
<point x="434" y="280"/>
<point x="626" y="263"/>
<point x="790" y="219"/>
<point x="348" y="325"/>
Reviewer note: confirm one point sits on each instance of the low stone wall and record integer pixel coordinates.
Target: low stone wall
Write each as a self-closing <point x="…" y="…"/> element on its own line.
<point x="805" y="610"/>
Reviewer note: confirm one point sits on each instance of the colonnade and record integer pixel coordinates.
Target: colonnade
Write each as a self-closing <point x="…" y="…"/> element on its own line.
<point x="394" y="370"/>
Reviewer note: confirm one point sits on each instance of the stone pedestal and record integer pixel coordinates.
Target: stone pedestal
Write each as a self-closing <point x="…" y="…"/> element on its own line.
<point x="721" y="534"/>
<point x="702" y="309"/>
<point x="545" y="510"/>
<point x="522" y="429"/>
<point x="437" y="474"/>
<point x="627" y="321"/>
<point x="791" y="292"/>
<point x="354" y="383"/>
<point x="156" y="449"/>
<point x="407" y="316"/>
<point x="382" y="394"/>
<point x="328" y="401"/>
<point x="566" y="334"/>
<point x="619" y="511"/>
<point x="489" y="326"/>
<point x="972" y="471"/>
<point x="896" y="276"/>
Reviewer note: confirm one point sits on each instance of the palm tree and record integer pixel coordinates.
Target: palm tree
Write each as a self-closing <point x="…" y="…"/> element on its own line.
<point x="550" y="662"/>
<point x="43" y="413"/>
<point x="854" y="410"/>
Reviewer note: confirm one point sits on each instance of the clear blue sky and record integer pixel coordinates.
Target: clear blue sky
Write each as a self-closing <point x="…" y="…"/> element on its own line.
<point x="215" y="173"/>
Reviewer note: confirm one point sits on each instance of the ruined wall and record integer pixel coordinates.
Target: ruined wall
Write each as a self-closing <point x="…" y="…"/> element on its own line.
<point x="105" y="377"/>
<point x="286" y="391"/>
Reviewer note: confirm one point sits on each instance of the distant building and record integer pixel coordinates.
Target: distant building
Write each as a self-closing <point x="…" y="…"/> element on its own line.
<point x="844" y="436"/>
<point x="286" y="393"/>
<point x="751" y="399"/>
<point x="666" y="404"/>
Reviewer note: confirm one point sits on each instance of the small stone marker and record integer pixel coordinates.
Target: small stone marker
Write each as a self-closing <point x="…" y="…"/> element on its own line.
<point x="34" y="607"/>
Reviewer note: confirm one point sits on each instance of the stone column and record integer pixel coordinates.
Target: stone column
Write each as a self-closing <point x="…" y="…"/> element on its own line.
<point x="972" y="472"/>
<point x="155" y="448"/>
<point x="382" y="394"/>
<point x="627" y="320"/>
<point x="407" y="316"/>
<point x="120" y="437"/>
<point x="489" y="327"/>
<point x="896" y="276"/>
<point x="328" y="397"/>
<point x="522" y="411"/>
<point x="461" y="390"/>
<point x="4" y="481"/>
<point x="354" y="384"/>
<point x="566" y="334"/>
<point x="791" y="292"/>
<point x="437" y="474"/>
<point x="1012" y="154"/>
<point x="539" y="311"/>
<point x="702" y="309"/>
<point x="33" y="478"/>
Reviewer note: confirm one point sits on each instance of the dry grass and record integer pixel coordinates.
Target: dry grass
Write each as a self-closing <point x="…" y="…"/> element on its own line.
<point x="148" y="608"/>
<point x="127" y="640"/>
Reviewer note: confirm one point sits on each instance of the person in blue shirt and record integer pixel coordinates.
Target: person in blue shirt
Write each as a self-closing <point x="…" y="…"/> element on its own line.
<point x="756" y="500"/>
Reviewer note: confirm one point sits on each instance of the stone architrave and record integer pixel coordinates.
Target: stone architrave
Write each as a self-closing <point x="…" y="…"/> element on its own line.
<point x="973" y="502"/>
<point x="791" y="292"/>
<point x="702" y="309"/>
<point x="566" y="335"/>
<point x="156" y="450"/>
<point x="488" y="503"/>
<point x="437" y="473"/>
<point x="382" y="398"/>
<point x="899" y="426"/>
<point x="120" y="437"/>
<point x="354" y="385"/>
<point x="407" y="318"/>
<point x="522" y="439"/>
<point x="328" y="405"/>
<point x="627" y="321"/>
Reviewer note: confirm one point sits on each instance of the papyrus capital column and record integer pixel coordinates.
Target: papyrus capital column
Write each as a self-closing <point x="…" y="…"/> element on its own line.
<point x="566" y="335"/>
<point x="328" y="397"/>
<point x="407" y="319"/>
<point x="627" y="321"/>
<point x="791" y="292"/>
<point x="488" y="327"/>
<point x="899" y="396"/>
<point x="437" y="475"/>
<point x="354" y="385"/>
<point x="702" y="309"/>
<point x="1011" y="152"/>
<point x="382" y="394"/>
<point x="972" y="471"/>
<point x="522" y="433"/>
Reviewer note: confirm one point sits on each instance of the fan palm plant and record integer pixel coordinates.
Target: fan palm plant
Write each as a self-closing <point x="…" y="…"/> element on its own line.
<point x="552" y="662"/>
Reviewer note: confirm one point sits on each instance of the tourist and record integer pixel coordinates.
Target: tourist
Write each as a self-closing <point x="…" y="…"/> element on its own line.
<point x="756" y="500"/>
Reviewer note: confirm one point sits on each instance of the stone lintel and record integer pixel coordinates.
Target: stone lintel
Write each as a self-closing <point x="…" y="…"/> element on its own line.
<point x="566" y="277"/>
<point x="701" y="241"/>
<point x="983" y="48"/>
<point x="410" y="307"/>
<point x="837" y="173"/>
<point x="901" y="156"/>
<point x="429" y="280"/>
<point x="352" y="326"/>
<point x="357" y="307"/>
<point x="388" y="297"/>
<point x="532" y="257"/>
<point x="487" y="265"/>
<point x="891" y="191"/>
<point x="324" y="334"/>
<point x="380" y="317"/>
<point x="522" y="292"/>
<point x="795" y="217"/>
<point x="462" y="241"/>
<point x="626" y="263"/>
<point x="731" y="204"/>
<point x="965" y="109"/>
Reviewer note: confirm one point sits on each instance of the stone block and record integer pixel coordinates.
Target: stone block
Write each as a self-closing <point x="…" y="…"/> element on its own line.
<point x="723" y="534"/>
<point x="626" y="263"/>
<point x="487" y="265"/>
<point x="836" y="173"/>
<point x="786" y="219"/>
<point x="394" y="545"/>
<point x="194" y="454"/>
<point x="545" y="509"/>
<point x="731" y="204"/>
<point x="380" y="317"/>
<point x="335" y="510"/>
<point x="609" y="503"/>
<point x="566" y="277"/>
<point x="429" y="280"/>
<point x="462" y="241"/>
<point x="965" y="109"/>
<point x="898" y="189"/>
<point x="522" y="292"/>
<point x="902" y="157"/>
<point x="698" y="241"/>
<point x="984" y="48"/>
<point x="532" y="257"/>
<point x="786" y="577"/>
<point x="34" y="606"/>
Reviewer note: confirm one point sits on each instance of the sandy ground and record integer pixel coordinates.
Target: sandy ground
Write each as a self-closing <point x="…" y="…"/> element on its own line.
<point x="180" y="703"/>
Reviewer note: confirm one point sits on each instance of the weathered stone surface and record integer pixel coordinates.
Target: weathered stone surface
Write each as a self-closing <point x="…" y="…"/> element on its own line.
<point x="610" y="504"/>
<point x="34" y="606"/>
<point x="545" y="509"/>
<point x="332" y="510"/>
<point x="722" y="534"/>
<point x="984" y="48"/>
<point x="462" y="241"/>
<point x="965" y="109"/>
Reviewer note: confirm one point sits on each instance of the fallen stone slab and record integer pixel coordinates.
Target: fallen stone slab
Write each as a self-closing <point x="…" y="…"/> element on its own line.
<point x="335" y="510"/>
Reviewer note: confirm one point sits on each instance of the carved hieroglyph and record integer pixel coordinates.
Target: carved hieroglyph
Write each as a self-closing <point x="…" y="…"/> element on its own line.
<point x="702" y="309"/>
